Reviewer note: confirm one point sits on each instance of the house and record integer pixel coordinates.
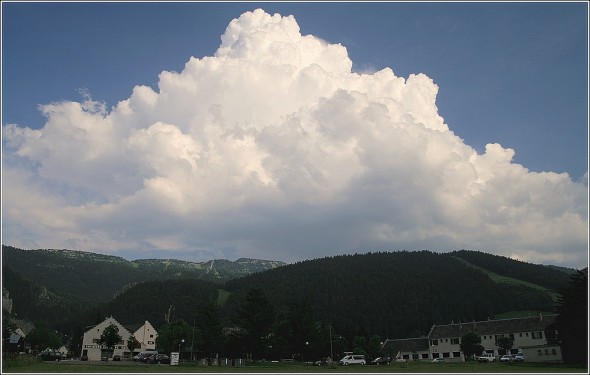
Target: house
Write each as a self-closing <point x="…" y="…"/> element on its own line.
<point x="144" y="333"/>
<point x="444" y="341"/>
<point x="407" y="349"/>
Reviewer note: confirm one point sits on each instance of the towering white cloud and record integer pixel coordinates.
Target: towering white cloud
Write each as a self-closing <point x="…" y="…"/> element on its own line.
<point x="273" y="148"/>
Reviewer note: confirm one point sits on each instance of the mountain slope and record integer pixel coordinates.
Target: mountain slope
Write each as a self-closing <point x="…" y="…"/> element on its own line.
<point x="93" y="278"/>
<point x="397" y="294"/>
<point x="549" y="277"/>
<point x="392" y="294"/>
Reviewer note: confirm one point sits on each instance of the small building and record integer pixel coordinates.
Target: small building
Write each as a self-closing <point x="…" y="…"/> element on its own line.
<point x="407" y="349"/>
<point x="542" y="353"/>
<point x="144" y="334"/>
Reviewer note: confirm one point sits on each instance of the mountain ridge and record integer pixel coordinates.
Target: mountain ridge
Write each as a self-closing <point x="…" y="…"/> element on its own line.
<point x="396" y="293"/>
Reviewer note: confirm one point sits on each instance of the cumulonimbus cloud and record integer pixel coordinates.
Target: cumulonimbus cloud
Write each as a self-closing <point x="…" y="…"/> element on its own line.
<point x="274" y="148"/>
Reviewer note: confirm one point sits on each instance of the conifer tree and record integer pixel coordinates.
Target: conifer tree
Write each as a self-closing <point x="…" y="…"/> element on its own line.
<point x="572" y="319"/>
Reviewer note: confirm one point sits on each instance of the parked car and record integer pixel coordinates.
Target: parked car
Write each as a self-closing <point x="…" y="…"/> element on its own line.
<point x="158" y="358"/>
<point x="323" y="362"/>
<point x="519" y="357"/>
<point x="116" y="357"/>
<point x="487" y="357"/>
<point x="507" y="358"/>
<point x="50" y="355"/>
<point x="355" y="359"/>
<point x="381" y="361"/>
<point x="138" y="357"/>
<point x="438" y="360"/>
<point x="146" y="357"/>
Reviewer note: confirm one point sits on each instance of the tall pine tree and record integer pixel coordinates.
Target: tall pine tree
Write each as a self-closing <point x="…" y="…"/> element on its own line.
<point x="572" y="319"/>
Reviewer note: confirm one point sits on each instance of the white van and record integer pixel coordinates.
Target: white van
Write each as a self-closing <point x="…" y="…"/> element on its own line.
<point x="353" y="359"/>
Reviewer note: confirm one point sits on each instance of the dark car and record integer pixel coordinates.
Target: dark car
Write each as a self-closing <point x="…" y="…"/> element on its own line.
<point x="145" y="358"/>
<point x="381" y="361"/>
<point x="158" y="358"/>
<point x="50" y="355"/>
<point x="323" y="362"/>
<point x="116" y="357"/>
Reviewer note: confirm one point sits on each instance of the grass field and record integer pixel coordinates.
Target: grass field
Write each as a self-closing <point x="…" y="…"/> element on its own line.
<point x="410" y="367"/>
<point x="499" y="279"/>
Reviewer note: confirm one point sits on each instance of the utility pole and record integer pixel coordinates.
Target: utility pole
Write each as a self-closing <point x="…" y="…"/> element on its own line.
<point x="331" y="353"/>
<point x="193" y="339"/>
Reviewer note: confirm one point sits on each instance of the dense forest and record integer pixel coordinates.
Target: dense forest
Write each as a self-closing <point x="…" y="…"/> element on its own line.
<point x="152" y="300"/>
<point x="380" y="295"/>
<point x="395" y="295"/>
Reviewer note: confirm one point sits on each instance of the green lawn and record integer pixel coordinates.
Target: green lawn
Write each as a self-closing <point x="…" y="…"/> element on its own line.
<point x="410" y="367"/>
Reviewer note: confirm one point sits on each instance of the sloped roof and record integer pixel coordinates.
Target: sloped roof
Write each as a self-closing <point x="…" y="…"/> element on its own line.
<point x="492" y="327"/>
<point x="132" y="327"/>
<point x="411" y="345"/>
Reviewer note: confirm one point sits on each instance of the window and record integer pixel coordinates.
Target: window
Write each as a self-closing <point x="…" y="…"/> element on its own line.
<point x="537" y="335"/>
<point x="446" y="340"/>
<point x="520" y="334"/>
<point x="539" y="352"/>
<point x="527" y="334"/>
<point x="424" y="355"/>
<point x="446" y="355"/>
<point x="455" y="341"/>
<point x="151" y="336"/>
<point x="434" y="342"/>
<point x="511" y="336"/>
<point x="406" y="356"/>
<point x="553" y="351"/>
<point x="456" y="354"/>
<point x="546" y="351"/>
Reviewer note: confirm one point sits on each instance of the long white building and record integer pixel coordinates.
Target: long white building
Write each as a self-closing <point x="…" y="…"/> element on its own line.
<point x="444" y="341"/>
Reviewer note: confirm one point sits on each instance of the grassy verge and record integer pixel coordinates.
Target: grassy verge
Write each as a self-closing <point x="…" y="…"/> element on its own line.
<point x="410" y="367"/>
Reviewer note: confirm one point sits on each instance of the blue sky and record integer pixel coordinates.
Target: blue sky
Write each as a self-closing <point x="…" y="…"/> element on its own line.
<point x="512" y="74"/>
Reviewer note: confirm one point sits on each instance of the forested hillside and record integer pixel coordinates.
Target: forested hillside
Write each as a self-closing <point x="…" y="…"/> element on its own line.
<point x="390" y="294"/>
<point x="35" y="303"/>
<point x="545" y="276"/>
<point x="153" y="299"/>
<point x="397" y="294"/>
<point x="95" y="278"/>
